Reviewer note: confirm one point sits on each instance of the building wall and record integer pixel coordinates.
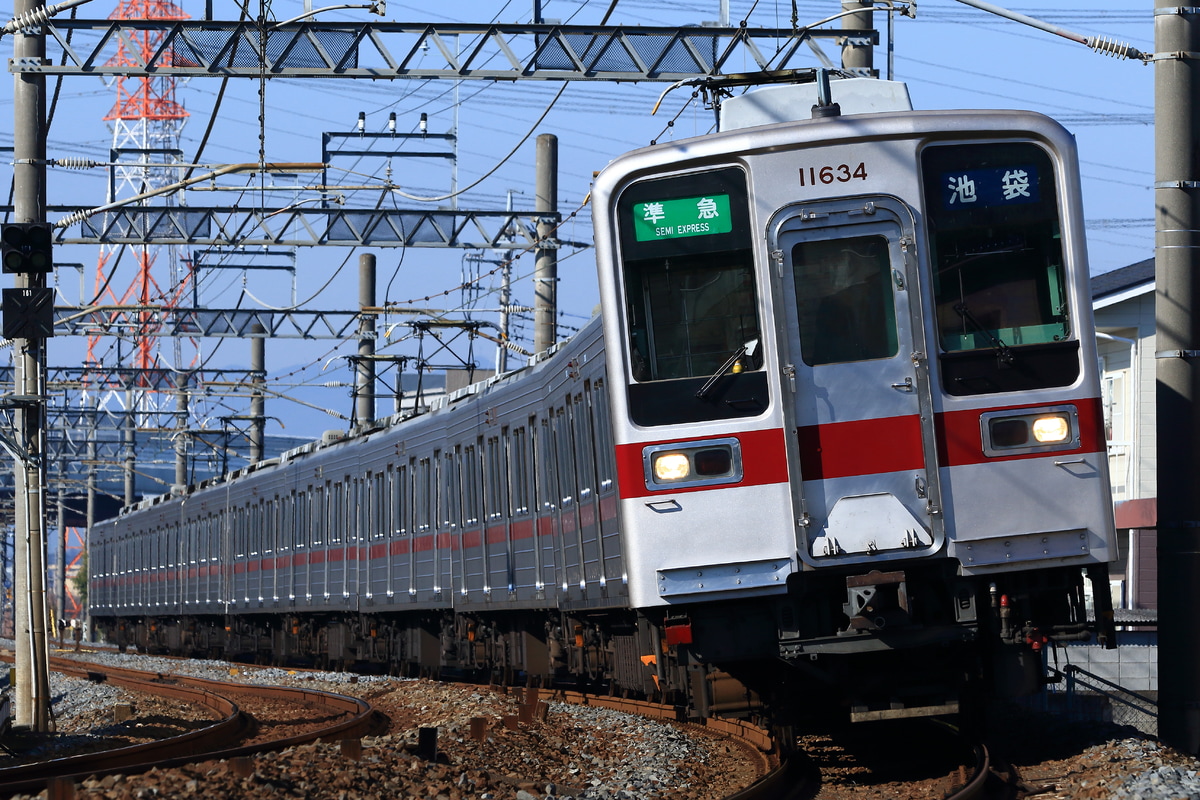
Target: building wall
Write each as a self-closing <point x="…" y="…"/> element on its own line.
<point x="1133" y="666"/>
<point x="1144" y="569"/>
<point x="1129" y="370"/>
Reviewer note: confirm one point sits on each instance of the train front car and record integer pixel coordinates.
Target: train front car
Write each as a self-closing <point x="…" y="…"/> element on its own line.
<point x="857" y="416"/>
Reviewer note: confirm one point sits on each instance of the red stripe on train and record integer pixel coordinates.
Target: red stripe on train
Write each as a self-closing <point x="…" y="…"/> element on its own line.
<point x="764" y="462"/>
<point x="892" y="444"/>
<point x="862" y="447"/>
<point x="960" y="437"/>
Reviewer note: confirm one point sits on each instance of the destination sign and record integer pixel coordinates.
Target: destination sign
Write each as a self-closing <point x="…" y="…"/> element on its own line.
<point x="680" y="217"/>
<point x="988" y="188"/>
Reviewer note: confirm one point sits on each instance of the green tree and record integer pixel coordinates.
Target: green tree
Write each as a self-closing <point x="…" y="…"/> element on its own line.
<point x="81" y="580"/>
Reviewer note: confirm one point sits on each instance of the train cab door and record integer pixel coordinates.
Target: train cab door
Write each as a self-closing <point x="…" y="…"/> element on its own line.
<point x="854" y="358"/>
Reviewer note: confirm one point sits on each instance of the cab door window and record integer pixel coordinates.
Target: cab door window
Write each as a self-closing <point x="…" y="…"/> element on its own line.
<point x="844" y="300"/>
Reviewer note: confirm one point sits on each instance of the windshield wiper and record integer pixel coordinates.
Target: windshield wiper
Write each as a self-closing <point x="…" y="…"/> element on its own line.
<point x="745" y="350"/>
<point x="1003" y="353"/>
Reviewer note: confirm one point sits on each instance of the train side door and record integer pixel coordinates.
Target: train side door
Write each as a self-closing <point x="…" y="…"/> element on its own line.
<point x="856" y="362"/>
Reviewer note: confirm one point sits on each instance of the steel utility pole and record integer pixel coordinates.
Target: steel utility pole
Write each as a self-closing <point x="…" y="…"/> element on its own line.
<point x="29" y="205"/>
<point x="364" y="371"/>
<point x="858" y="55"/>
<point x="1177" y="357"/>
<point x="258" y="382"/>
<point x="182" y="439"/>
<point x="545" y="280"/>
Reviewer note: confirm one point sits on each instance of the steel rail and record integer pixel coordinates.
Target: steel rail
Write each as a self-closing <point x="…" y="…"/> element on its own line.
<point x="357" y="719"/>
<point x="232" y="725"/>
<point x="975" y="787"/>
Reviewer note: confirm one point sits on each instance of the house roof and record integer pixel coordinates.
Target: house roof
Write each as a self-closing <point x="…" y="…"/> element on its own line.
<point x="1122" y="280"/>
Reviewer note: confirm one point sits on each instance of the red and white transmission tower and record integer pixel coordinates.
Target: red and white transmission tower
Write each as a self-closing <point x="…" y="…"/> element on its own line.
<point x="147" y="123"/>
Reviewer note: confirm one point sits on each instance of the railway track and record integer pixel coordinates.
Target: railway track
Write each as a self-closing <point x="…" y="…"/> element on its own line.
<point x="342" y="718"/>
<point x="349" y="718"/>
<point x="904" y="758"/>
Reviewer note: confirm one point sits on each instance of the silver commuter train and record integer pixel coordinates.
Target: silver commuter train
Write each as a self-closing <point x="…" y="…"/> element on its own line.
<point x="836" y="440"/>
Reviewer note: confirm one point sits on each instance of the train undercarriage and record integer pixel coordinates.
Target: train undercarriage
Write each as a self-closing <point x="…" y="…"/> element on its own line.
<point x="899" y="644"/>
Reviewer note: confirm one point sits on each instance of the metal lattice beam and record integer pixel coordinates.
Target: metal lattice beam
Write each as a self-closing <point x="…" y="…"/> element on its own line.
<point x="217" y="322"/>
<point x="198" y="48"/>
<point x="301" y="227"/>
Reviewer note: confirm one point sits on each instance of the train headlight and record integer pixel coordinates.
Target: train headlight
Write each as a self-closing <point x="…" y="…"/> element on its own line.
<point x="671" y="467"/>
<point x="1054" y="428"/>
<point x="1030" y="430"/>
<point x="684" y="464"/>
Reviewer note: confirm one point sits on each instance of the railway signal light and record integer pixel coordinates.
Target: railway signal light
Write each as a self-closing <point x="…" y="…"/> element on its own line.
<point x="26" y="247"/>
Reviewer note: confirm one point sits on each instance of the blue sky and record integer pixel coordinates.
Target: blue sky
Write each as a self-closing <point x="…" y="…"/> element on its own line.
<point x="951" y="56"/>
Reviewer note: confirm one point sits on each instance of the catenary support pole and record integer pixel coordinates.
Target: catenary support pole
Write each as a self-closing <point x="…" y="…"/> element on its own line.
<point x="1177" y="359"/>
<point x="29" y="205"/>
<point x="181" y="431"/>
<point x="545" y="280"/>
<point x="258" y="381"/>
<point x="130" y="444"/>
<point x="85" y="619"/>
<point x="61" y="508"/>
<point x="364" y="373"/>
<point x="857" y="55"/>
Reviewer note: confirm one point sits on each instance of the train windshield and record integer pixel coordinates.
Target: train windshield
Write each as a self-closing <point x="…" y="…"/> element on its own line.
<point x="689" y="315"/>
<point x="691" y="299"/>
<point x="995" y="245"/>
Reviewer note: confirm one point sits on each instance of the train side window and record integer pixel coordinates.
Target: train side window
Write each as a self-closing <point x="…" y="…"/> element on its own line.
<point x="287" y="521"/>
<point x="844" y="300"/>
<point x="543" y="457"/>
<point x="319" y="523"/>
<point x="605" y="457"/>
<point x="335" y="511"/>
<point x="518" y="453"/>
<point x="356" y="510"/>
<point x="254" y="531"/>
<point x="999" y="273"/>
<point x="239" y="532"/>
<point x="304" y="518"/>
<point x="581" y="428"/>
<point x="380" y="513"/>
<point x="401" y="503"/>
<point x="494" y="479"/>
<point x="369" y="518"/>
<point x="449" y="494"/>
<point x="422" y="487"/>
<point x="471" y="489"/>
<point x="565" y="455"/>
<point x="216" y="527"/>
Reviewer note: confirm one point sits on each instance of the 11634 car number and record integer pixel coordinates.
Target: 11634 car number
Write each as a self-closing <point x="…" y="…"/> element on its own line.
<point x="830" y="173"/>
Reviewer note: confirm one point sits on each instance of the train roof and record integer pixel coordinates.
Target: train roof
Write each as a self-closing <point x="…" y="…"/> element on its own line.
<point x="794" y="102"/>
<point x="334" y="438"/>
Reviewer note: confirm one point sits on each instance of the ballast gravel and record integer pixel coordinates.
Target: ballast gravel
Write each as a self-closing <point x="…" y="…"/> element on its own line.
<point x="584" y="752"/>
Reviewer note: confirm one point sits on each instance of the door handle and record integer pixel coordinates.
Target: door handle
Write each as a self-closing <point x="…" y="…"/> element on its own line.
<point x="906" y="386"/>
